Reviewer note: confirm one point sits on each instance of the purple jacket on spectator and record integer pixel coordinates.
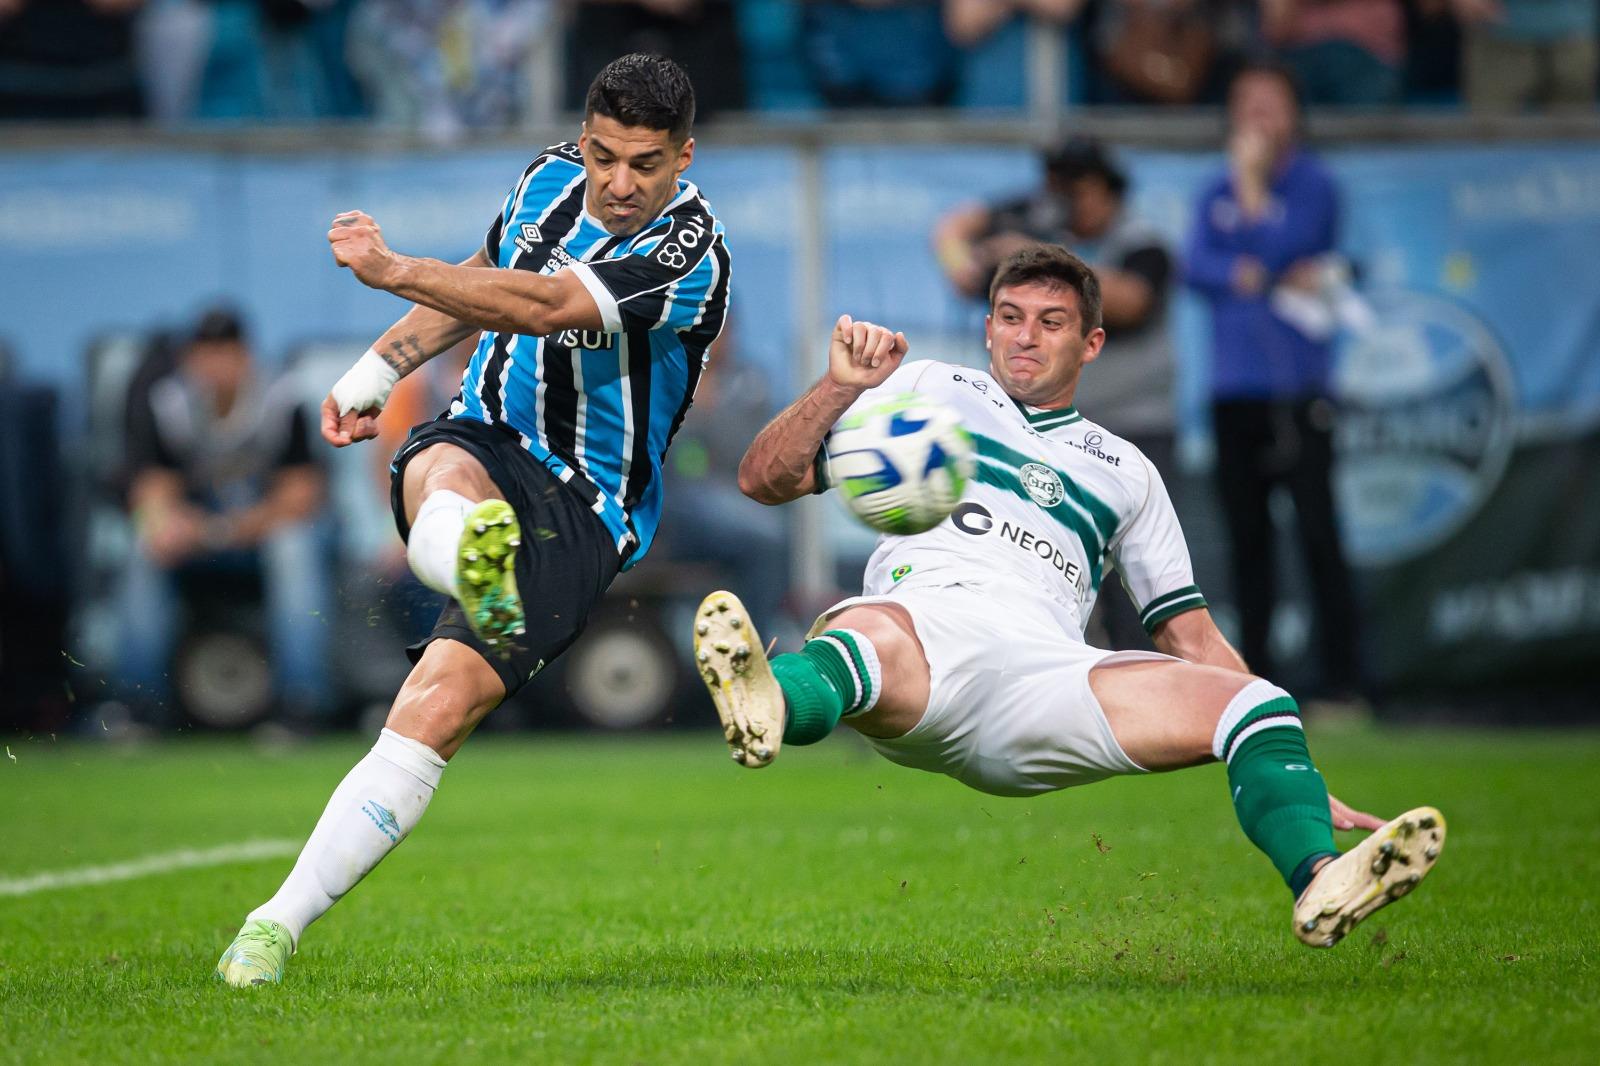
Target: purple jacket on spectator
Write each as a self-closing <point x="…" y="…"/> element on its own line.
<point x="1256" y="354"/>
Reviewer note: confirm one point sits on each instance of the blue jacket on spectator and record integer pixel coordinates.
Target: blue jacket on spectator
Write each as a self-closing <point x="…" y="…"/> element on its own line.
<point x="1256" y="354"/>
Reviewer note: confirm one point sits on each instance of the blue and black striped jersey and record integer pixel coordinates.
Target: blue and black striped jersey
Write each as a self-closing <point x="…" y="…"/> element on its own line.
<point x="600" y="407"/>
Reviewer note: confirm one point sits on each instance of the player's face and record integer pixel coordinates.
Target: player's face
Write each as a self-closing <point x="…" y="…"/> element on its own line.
<point x="1036" y="342"/>
<point x="633" y="172"/>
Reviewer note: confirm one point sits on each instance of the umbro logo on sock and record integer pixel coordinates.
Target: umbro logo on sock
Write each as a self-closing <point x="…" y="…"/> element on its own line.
<point x="383" y="818"/>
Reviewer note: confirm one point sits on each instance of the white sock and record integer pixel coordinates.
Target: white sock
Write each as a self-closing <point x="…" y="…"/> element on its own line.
<point x="436" y="537"/>
<point x="379" y="801"/>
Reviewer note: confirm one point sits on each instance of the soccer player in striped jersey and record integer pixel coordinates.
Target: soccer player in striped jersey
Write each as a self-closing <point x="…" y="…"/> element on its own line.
<point x="966" y="655"/>
<point x="598" y="291"/>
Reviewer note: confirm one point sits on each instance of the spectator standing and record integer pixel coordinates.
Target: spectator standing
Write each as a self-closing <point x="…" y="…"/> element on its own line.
<point x="702" y="36"/>
<point x="1082" y="206"/>
<point x="1343" y="53"/>
<point x="1262" y="230"/>
<point x="1521" y="53"/>
<point x="446" y="66"/>
<point x="968" y="22"/>
<point x="1158" y="51"/>
<point x="68" y="59"/>
<point x="223" y="483"/>
<point x="880" y="53"/>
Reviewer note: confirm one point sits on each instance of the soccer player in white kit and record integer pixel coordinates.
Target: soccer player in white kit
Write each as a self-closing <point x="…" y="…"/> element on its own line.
<point x="965" y="655"/>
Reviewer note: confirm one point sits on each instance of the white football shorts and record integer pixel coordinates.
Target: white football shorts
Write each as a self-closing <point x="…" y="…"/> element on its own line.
<point x="1010" y="711"/>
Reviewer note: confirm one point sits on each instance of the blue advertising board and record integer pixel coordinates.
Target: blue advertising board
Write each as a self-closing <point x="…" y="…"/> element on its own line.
<point x="1470" y="443"/>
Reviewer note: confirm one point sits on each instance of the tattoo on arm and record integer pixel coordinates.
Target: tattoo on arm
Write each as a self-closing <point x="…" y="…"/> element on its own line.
<point x="781" y="461"/>
<point x="405" y="354"/>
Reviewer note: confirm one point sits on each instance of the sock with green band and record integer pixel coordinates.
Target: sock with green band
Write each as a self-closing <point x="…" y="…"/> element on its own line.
<point x="836" y="675"/>
<point x="1278" y="793"/>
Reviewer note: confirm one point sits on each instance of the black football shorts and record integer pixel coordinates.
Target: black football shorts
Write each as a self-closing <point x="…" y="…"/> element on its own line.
<point x="567" y="560"/>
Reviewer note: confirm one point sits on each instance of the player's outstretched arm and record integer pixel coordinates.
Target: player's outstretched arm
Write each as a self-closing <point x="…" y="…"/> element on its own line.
<point x="478" y="294"/>
<point x="1194" y="636"/>
<point x="780" y="464"/>
<point x="350" y="411"/>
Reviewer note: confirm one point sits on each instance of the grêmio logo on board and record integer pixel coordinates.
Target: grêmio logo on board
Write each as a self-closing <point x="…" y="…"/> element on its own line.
<point x="1425" y="425"/>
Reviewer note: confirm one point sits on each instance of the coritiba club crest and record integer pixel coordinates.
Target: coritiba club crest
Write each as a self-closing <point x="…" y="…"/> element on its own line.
<point x="1043" y="484"/>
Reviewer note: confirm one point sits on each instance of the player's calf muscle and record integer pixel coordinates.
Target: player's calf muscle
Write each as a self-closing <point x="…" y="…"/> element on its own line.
<point x="445" y="696"/>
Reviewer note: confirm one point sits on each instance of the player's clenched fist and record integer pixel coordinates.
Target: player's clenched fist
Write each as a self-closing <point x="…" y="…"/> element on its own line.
<point x="350" y="413"/>
<point x="357" y="243"/>
<point x="861" y="355"/>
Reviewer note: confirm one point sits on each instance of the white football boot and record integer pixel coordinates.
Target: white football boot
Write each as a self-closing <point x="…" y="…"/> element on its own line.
<point x="1374" y="873"/>
<point x="728" y="654"/>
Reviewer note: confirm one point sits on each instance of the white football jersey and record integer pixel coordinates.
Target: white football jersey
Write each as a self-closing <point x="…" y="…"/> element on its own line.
<point x="1056" y="504"/>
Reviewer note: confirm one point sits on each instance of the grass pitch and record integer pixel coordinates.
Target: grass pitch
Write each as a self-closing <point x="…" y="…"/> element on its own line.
<point x="646" y="901"/>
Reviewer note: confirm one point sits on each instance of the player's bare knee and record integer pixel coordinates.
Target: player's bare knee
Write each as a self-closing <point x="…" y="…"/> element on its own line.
<point x="445" y="467"/>
<point x="890" y="630"/>
<point x="903" y="698"/>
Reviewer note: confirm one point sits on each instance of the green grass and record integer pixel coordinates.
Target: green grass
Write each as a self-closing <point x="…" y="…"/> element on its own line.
<point x="646" y="901"/>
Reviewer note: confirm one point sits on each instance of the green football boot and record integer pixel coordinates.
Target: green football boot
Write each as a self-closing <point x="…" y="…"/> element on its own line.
<point x="256" y="956"/>
<point x="486" y="574"/>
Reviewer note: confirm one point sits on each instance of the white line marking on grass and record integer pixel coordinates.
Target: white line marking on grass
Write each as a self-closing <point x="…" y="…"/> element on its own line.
<point x="150" y="865"/>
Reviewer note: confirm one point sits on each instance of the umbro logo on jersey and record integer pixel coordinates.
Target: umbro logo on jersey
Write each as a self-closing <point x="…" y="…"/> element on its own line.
<point x="1043" y="484"/>
<point x="529" y="237"/>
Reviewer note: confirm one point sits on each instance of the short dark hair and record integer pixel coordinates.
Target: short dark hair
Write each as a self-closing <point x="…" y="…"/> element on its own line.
<point x="1268" y="67"/>
<point x="1051" y="263"/>
<point x="218" y="325"/>
<point x="639" y="89"/>
<point x="1085" y="157"/>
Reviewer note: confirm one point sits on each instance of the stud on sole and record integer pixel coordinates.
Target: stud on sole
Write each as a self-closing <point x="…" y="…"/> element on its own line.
<point x="743" y="689"/>
<point x="1384" y="867"/>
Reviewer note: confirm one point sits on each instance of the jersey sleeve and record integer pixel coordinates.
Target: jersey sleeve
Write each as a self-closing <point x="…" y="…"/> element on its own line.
<point x="1153" y="558"/>
<point x="144" y="444"/>
<point x="296" y="447"/>
<point x="565" y="151"/>
<point x="497" y="228"/>
<point x="1151" y="263"/>
<point x="491" y="240"/>
<point x="670" y="281"/>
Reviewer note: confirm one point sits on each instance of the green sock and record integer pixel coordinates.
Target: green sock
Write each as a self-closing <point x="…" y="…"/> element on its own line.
<point x="834" y="675"/>
<point x="1278" y="793"/>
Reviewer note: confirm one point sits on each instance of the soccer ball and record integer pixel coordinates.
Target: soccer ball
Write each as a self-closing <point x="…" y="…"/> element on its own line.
<point x="902" y="463"/>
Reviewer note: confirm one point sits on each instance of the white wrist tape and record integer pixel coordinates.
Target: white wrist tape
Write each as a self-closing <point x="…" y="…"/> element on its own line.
<point x="365" y="385"/>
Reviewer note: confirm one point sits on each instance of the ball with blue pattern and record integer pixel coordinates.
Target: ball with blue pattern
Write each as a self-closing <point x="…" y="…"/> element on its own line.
<point x="900" y="463"/>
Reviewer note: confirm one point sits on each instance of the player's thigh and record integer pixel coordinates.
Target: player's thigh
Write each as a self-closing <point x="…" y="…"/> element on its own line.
<point x="448" y="692"/>
<point x="903" y="695"/>
<point x="1164" y="714"/>
<point x="445" y="466"/>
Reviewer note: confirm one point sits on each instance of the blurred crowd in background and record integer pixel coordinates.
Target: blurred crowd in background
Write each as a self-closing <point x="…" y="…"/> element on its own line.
<point x="223" y="566"/>
<point x="444" y="67"/>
